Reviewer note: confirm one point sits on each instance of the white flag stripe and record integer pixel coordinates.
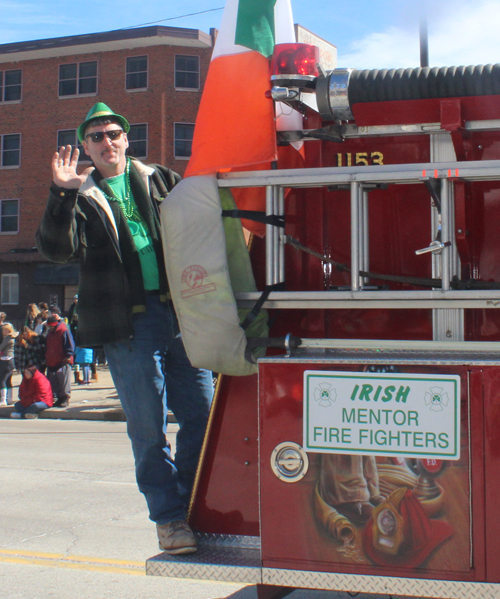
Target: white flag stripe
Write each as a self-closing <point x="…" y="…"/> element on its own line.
<point x="283" y="28"/>
<point x="224" y="44"/>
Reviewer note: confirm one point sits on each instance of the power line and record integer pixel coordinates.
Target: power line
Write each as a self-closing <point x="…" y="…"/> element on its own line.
<point x="174" y="18"/>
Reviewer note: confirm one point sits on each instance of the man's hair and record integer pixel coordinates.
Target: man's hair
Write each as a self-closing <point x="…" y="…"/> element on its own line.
<point x="3" y="316"/>
<point x="103" y="120"/>
<point x="55" y="310"/>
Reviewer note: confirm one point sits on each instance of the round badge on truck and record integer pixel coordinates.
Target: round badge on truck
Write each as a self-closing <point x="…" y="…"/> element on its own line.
<point x="289" y="462"/>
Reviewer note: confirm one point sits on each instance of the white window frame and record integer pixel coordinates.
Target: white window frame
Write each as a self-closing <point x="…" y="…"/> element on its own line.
<point x="18" y="215"/>
<point x="2" y="151"/>
<point x="176" y="139"/>
<point x="2" y="98"/>
<point x="147" y="137"/>
<point x="77" y="95"/>
<point x="137" y="89"/>
<point x="187" y="89"/>
<point x="12" y="300"/>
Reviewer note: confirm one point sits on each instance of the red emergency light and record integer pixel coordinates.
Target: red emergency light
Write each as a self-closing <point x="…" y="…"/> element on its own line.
<point x="294" y="62"/>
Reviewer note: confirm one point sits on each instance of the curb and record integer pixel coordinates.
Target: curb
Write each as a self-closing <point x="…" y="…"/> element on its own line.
<point x="100" y="401"/>
<point x="78" y="413"/>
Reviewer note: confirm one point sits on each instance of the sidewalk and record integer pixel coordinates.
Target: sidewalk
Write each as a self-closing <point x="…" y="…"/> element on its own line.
<point x="97" y="401"/>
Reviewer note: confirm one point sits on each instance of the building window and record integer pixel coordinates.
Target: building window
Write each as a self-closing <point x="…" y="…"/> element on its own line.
<point x="138" y="141"/>
<point x="10" y="85"/>
<point x="78" y="79"/>
<point x="183" y="138"/>
<point x="9" y="216"/>
<point x="10" y="148"/>
<point x="68" y="137"/>
<point x="137" y="73"/>
<point x="10" y="289"/>
<point x="187" y="72"/>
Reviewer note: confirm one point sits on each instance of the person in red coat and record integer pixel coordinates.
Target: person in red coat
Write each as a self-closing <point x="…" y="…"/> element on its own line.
<point x="35" y="394"/>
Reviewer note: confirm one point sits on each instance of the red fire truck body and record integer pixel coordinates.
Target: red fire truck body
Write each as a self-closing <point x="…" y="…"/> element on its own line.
<point x="383" y="344"/>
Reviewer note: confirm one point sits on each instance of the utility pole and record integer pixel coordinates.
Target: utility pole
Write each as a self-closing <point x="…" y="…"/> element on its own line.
<point x="424" y="41"/>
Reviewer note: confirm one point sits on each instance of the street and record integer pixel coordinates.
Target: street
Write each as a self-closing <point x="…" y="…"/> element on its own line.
<point x="72" y="521"/>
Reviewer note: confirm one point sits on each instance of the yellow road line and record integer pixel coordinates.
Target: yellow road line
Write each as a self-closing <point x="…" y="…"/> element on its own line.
<point x="93" y="564"/>
<point x="76" y="562"/>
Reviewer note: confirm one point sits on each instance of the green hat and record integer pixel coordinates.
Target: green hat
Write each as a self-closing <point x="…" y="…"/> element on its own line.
<point x="98" y="111"/>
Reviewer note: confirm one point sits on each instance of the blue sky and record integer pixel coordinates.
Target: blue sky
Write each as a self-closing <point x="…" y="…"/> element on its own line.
<point x="367" y="33"/>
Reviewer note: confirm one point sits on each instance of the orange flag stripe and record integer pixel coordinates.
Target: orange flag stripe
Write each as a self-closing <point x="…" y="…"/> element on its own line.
<point x="235" y="123"/>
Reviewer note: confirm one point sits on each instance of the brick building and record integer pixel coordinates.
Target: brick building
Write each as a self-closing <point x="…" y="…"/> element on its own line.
<point x="152" y="75"/>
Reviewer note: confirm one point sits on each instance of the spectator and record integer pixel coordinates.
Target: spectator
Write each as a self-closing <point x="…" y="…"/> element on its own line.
<point x="59" y="354"/>
<point x="73" y="308"/>
<point x="40" y="325"/>
<point x="7" y="363"/>
<point x="29" y="348"/>
<point x="73" y="323"/>
<point x="93" y="367"/>
<point x="84" y="357"/>
<point x="20" y="346"/>
<point x="3" y="320"/>
<point x="44" y="313"/>
<point x="31" y="314"/>
<point x="55" y="311"/>
<point x="35" y="394"/>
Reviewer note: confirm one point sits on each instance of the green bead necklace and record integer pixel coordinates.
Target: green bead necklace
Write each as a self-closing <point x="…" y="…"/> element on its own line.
<point x="127" y="205"/>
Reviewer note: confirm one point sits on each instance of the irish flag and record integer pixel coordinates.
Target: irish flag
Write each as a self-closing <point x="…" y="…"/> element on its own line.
<point x="235" y="127"/>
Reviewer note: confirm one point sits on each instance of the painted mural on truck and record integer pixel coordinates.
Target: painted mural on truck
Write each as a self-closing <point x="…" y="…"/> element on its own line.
<point x="394" y="501"/>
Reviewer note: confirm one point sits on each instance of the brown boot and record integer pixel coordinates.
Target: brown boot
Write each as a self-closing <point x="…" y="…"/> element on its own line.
<point x="176" y="537"/>
<point x="78" y="378"/>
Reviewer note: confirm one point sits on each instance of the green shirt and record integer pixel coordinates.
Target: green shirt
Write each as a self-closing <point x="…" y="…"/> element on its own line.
<point x="140" y="235"/>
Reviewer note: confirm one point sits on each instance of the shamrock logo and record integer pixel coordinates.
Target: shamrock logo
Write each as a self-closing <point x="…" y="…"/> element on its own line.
<point x="325" y="394"/>
<point x="436" y="398"/>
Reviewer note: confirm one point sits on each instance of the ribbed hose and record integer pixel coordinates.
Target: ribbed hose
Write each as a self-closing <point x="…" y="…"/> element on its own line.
<point x="423" y="83"/>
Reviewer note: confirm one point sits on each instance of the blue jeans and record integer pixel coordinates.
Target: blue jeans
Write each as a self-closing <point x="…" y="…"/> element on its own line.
<point x="34" y="408"/>
<point x="146" y="371"/>
<point x="86" y="372"/>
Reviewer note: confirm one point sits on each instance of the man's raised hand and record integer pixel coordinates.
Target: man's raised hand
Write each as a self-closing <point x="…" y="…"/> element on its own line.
<point x="64" y="169"/>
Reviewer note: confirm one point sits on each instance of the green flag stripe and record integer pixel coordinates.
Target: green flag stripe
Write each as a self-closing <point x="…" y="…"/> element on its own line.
<point x="255" y="25"/>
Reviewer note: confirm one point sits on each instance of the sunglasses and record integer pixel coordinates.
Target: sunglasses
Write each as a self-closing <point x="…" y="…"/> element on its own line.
<point x="99" y="136"/>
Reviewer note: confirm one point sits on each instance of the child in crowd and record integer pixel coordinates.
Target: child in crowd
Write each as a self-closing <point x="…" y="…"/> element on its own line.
<point x="35" y="394"/>
<point x="83" y="358"/>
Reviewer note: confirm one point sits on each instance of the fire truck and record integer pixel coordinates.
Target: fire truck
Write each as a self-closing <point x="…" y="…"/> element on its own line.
<point x="365" y="453"/>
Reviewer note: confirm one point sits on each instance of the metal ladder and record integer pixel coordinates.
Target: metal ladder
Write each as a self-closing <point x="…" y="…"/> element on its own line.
<point x="360" y="180"/>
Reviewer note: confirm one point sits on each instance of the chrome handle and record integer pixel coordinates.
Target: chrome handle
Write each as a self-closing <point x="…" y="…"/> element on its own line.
<point x="435" y="247"/>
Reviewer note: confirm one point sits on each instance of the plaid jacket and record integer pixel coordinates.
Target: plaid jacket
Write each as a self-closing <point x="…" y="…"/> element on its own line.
<point x="31" y="353"/>
<point x="82" y="224"/>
